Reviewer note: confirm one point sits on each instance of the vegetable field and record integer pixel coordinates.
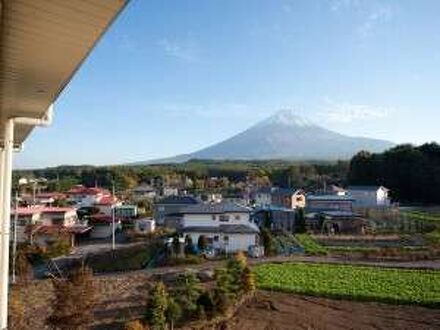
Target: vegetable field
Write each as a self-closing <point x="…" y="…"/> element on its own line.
<point x="353" y="282"/>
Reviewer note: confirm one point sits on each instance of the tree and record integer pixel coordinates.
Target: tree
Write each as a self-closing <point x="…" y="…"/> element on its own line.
<point x="173" y="312"/>
<point x="176" y="245"/>
<point x="267" y="241"/>
<point x="189" y="248"/>
<point x="248" y="280"/>
<point x="202" y="242"/>
<point x="235" y="267"/>
<point x="23" y="267"/>
<point x="206" y="300"/>
<point x="186" y="291"/>
<point x="300" y="221"/>
<point x="74" y="300"/>
<point x="157" y="307"/>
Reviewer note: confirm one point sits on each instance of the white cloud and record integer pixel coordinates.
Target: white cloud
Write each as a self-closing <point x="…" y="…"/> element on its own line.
<point x="379" y="15"/>
<point x="346" y="112"/>
<point x="187" y="51"/>
<point x="338" y="5"/>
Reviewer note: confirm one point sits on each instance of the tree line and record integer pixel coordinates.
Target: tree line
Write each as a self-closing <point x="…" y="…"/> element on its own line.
<point x="411" y="172"/>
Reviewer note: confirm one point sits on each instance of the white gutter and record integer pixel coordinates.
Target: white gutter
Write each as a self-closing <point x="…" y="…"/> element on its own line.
<point x="6" y="155"/>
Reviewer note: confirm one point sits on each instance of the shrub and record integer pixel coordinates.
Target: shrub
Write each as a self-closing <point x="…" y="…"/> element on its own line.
<point x="134" y="325"/>
<point x="173" y="312"/>
<point x="206" y="300"/>
<point x="248" y="284"/>
<point x="16" y="315"/>
<point x="74" y="300"/>
<point x="202" y="242"/>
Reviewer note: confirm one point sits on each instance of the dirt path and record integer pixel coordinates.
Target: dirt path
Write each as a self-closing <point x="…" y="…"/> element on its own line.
<point x="270" y="311"/>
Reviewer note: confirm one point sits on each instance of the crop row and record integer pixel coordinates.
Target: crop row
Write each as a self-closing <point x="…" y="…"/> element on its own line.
<point x="353" y="282"/>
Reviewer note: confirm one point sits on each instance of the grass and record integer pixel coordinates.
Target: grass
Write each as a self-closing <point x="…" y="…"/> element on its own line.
<point x="353" y="282"/>
<point x="132" y="258"/>
<point x="310" y="245"/>
<point x="422" y="216"/>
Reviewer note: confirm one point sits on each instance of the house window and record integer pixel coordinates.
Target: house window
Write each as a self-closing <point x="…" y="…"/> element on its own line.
<point x="237" y="217"/>
<point x="226" y="239"/>
<point x="224" y="218"/>
<point x="216" y="238"/>
<point x="213" y="217"/>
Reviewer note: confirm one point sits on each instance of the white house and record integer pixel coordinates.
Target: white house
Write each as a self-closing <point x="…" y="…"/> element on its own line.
<point x="226" y="226"/>
<point x="143" y="192"/>
<point x="263" y="197"/>
<point x="84" y="196"/>
<point x="43" y="225"/>
<point x="145" y="225"/>
<point x="369" y="196"/>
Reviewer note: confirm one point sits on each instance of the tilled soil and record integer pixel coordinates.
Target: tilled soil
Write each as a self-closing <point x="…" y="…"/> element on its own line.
<point x="270" y="311"/>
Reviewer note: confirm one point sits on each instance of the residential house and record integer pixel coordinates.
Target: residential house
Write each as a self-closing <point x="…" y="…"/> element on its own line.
<point x="143" y="192"/>
<point x="170" y="191"/>
<point x="144" y="225"/>
<point x="227" y="227"/>
<point x="369" y="196"/>
<point x="102" y="225"/>
<point x="106" y="204"/>
<point x="281" y="219"/>
<point x="126" y="211"/>
<point x="288" y="198"/>
<point x="318" y="203"/>
<point x="27" y="217"/>
<point x="83" y="196"/>
<point x="44" y="225"/>
<point x="167" y="209"/>
<point x="263" y="197"/>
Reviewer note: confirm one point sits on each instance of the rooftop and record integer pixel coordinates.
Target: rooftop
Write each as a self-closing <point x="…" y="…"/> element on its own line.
<point x="366" y="188"/>
<point x="329" y="198"/>
<point x="215" y="208"/>
<point x="178" y="200"/>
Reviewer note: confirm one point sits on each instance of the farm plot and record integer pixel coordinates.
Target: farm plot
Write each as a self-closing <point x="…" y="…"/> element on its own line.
<point x="353" y="282"/>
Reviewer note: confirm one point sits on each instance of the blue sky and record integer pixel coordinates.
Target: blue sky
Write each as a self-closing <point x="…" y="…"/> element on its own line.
<point x="171" y="77"/>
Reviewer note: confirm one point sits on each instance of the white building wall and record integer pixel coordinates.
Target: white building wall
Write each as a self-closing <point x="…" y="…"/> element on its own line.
<point x="234" y="243"/>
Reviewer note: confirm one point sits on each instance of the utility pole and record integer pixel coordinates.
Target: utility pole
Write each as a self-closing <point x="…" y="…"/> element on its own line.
<point x="14" y="242"/>
<point x="113" y="219"/>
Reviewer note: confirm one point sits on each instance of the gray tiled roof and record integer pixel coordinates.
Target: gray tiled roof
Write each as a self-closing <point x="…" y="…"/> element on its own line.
<point x="365" y="188"/>
<point x="328" y="198"/>
<point x="216" y="208"/>
<point x="178" y="200"/>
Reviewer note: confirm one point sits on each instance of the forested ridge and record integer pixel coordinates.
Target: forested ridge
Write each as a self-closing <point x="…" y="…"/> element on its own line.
<point x="411" y="172"/>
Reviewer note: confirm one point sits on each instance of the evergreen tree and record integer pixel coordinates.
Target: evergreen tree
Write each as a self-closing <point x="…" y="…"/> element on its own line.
<point x="157" y="307"/>
<point x="173" y="312"/>
<point x="186" y="291"/>
<point x="206" y="300"/>
<point x="300" y="221"/>
<point x="202" y="242"/>
<point x="189" y="248"/>
<point x="235" y="268"/>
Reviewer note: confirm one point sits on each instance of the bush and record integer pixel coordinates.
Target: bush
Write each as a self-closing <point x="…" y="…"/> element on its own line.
<point x="248" y="284"/>
<point x="16" y="315"/>
<point x="74" y="300"/>
<point x="206" y="300"/>
<point x="134" y="325"/>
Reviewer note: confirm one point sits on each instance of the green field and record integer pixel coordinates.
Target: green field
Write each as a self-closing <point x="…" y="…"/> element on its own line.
<point x="353" y="282"/>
